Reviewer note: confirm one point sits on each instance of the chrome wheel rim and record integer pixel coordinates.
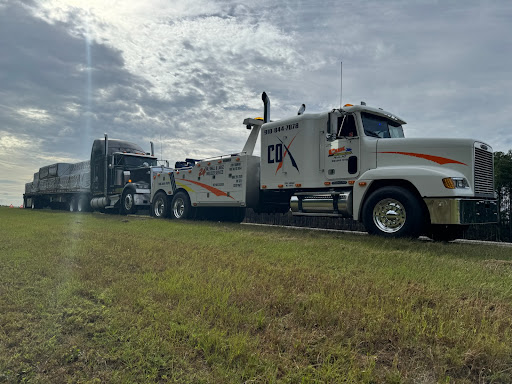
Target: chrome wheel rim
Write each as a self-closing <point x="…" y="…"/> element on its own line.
<point x="179" y="208"/>
<point x="159" y="207"/>
<point x="128" y="202"/>
<point x="389" y="215"/>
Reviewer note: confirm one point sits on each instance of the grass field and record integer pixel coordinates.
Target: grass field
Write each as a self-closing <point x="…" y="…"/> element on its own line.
<point x="91" y="298"/>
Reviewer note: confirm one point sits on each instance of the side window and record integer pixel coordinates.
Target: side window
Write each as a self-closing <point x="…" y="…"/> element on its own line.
<point x="347" y="126"/>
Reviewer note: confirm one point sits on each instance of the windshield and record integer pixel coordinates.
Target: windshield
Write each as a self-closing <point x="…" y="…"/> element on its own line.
<point x="137" y="161"/>
<point x="378" y="126"/>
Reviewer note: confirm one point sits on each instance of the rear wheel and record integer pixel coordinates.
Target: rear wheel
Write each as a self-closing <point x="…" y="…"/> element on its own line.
<point x="160" y="205"/>
<point x="180" y="206"/>
<point x="393" y="212"/>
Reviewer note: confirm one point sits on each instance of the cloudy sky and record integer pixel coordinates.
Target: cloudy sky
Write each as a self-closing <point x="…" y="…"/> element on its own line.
<point x="185" y="73"/>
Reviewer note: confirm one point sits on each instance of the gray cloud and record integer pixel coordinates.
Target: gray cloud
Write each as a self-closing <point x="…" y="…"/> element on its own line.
<point x="190" y="71"/>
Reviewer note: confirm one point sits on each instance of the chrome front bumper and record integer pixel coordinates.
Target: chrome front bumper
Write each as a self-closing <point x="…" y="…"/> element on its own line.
<point x="462" y="211"/>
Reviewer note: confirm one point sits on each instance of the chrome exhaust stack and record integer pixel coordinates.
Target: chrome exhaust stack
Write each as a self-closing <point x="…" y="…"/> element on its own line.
<point x="266" y="107"/>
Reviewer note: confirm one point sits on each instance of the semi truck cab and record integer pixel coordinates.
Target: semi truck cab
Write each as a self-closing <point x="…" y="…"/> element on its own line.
<point x="122" y="178"/>
<point x="355" y="162"/>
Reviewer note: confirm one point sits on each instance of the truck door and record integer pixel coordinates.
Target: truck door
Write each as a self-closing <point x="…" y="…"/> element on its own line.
<point x="342" y="148"/>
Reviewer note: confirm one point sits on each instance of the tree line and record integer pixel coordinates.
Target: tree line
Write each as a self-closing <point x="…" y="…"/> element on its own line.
<point x="501" y="231"/>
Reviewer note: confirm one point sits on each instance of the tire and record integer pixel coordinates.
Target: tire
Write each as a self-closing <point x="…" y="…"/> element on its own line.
<point x="393" y="212"/>
<point x="128" y="203"/>
<point x="180" y="207"/>
<point x="447" y="233"/>
<point x="83" y="204"/>
<point x="73" y="204"/>
<point x="37" y="203"/>
<point x="160" y="206"/>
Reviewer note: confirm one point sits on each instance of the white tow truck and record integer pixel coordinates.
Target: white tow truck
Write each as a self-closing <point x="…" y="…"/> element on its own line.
<point x="351" y="162"/>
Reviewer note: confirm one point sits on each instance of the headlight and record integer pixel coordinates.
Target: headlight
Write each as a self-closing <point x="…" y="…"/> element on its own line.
<point x="455" y="183"/>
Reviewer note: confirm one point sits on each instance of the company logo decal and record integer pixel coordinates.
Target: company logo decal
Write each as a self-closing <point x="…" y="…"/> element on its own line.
<point x="343" y="151"/>
<point x="276" y="155"/>
<point x="435" y="159"/>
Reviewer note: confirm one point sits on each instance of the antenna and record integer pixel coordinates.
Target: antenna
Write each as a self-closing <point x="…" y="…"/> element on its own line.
<point x="341" y="80"/>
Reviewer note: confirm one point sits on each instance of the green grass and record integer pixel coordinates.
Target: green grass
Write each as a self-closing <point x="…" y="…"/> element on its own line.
<point x="90" y="298"/>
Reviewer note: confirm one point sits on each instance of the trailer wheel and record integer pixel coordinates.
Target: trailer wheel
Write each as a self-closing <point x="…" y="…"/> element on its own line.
<point x="83" y="204"/>
<point x="181" y="208"/>
<point x="128" y="203"/>
<point x="73" y="204"/>
<point x="36" y="204"/>
<point x="393" y="212"/>
<point x="160" y="205"/>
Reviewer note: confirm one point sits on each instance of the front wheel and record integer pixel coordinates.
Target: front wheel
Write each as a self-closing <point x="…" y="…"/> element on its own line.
<point x="180" y="206"/>
<point x="393" y="212"/>
<point x="160" y="205"/>
<point x="128" y="203"/>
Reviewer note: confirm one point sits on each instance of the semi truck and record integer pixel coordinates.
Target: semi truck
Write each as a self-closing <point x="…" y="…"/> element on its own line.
<point x="350" y="162"/>
<point x="115" y="178"/>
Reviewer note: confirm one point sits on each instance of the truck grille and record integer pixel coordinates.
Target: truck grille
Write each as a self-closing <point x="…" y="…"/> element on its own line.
<point x="484" y="173"/>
